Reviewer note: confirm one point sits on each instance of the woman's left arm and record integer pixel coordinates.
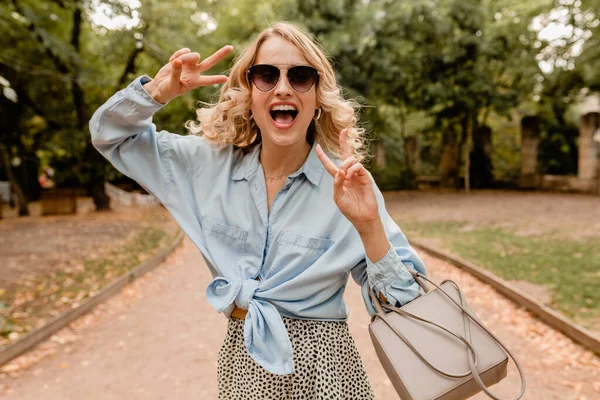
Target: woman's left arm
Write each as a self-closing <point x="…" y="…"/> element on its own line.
<point x="388" y="252"/>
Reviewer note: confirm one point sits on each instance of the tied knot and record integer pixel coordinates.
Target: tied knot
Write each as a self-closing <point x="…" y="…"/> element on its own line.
<point x="246" y="293"/>
<point x="221" y="293"/>
<point x="265" y="335"/>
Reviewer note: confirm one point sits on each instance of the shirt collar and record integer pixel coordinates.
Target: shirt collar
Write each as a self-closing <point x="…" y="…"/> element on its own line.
<point x="247" y="166"/>
<point x="312" y="168"/>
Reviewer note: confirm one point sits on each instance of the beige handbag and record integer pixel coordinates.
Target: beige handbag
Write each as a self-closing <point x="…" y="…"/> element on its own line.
<point x="434" y="347"/>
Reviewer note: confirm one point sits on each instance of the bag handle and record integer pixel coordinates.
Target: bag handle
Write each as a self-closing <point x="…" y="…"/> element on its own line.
<point x="466" y="316"/>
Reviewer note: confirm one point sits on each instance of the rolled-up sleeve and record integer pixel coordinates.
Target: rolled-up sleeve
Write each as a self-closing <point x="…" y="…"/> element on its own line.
<point x="389" y="276"/>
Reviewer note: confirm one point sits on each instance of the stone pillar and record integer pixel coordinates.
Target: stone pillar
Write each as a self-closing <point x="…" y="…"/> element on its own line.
<point x="530" y="137"/>
<point x="588" y="158"/>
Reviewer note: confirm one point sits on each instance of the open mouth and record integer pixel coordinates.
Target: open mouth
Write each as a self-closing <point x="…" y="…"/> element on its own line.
<point x="284" y="114"/>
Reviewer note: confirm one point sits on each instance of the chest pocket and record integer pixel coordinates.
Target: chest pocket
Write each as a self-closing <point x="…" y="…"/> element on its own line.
<point x="296" y="252"/>
<point x="225" y="243"/>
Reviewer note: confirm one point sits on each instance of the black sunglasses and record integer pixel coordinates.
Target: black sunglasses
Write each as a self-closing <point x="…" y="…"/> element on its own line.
<point x="265" y="77"/>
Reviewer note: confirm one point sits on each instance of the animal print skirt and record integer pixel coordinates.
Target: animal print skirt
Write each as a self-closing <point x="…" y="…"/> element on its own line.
<point x="326" y="363"/>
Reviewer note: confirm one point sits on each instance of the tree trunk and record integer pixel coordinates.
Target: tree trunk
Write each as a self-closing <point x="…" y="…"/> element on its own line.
<point x="468" y="140"/>
<point x="101" y="199"/>
<point x="130" y="67"/>
<point x="411" y="152"/>
<point x="96" y="173"/>
<point x="380" y="154"/>
<point x="21" y="199"/>
<point x="481" y="169"/>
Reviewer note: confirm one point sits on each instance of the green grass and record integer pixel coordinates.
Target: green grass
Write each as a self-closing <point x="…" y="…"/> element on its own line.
<point x="569" y="268"/>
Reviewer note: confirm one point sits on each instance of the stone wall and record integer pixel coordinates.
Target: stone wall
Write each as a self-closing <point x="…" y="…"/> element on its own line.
<point x="588" y="176"/>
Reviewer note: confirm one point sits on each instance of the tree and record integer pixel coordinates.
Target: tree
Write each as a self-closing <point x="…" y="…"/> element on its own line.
<point x="62" y="65"/>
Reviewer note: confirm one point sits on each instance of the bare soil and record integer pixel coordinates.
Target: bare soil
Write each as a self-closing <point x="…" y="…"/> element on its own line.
<point x="38" y="245"/>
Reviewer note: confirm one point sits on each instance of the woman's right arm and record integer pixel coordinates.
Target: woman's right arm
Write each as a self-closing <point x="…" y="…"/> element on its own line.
<point x="123" y="132"/>
<point x="122" y="128"/>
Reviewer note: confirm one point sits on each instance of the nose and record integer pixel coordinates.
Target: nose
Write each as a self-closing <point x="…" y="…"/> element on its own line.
<point x="283" y="87"/>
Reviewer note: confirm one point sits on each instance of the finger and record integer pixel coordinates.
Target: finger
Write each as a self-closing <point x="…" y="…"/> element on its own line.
<point x="338" y="185"/>
<point x="178" y="53"/>
<point x="175" y="71"/>
<point x="206" y="80"/>
<point x="344" y="148"/>
<point x="217" y="56"/>
<point x="348" y="162"/>
<point x="327" y="163"/>
<point x="355" y="169"/>
<point x="190" y="58"/>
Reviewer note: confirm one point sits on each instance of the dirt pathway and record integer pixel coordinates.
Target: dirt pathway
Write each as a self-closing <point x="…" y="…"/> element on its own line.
<point x="159" y="340"/>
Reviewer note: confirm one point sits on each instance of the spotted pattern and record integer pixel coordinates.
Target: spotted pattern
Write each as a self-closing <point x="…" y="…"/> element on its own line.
<point x="326" y="361"/>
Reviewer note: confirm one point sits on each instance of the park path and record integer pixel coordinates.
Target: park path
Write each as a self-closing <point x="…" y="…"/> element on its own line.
<point x="159" y="339"/>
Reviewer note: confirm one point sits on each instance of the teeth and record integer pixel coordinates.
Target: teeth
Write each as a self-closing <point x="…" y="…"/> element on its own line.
<point x="283" y="108"/>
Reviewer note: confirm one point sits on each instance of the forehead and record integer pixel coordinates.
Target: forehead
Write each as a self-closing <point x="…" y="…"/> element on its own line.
<point x="276" y="50"/>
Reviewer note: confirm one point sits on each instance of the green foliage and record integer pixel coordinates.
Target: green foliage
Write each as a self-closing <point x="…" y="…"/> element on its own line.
<point x="450" y="63"/>
<point x="395" y="175"/>
<point x="506" y="142"/>
<point x="6" y="324"/>
<point x="558" y="150"/>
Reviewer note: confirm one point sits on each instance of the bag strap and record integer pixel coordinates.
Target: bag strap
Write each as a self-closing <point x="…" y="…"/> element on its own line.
<point x="466" y="316"/>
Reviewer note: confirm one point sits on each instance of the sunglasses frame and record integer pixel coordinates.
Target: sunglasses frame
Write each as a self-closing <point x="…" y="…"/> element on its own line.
<point x="249" y="76"/>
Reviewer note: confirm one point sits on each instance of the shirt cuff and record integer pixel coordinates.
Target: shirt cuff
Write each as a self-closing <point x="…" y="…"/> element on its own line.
<point x="143" y="100"/>
<point x="390" y="277"/>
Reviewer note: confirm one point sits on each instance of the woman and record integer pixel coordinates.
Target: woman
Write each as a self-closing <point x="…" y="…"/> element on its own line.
<point x="280" y="225"/>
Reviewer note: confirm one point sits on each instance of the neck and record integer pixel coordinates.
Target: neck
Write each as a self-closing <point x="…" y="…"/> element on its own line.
<point x="277" y="160"/>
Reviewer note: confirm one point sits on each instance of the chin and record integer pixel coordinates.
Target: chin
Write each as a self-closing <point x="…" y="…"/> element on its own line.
<point x="285" y="139"/>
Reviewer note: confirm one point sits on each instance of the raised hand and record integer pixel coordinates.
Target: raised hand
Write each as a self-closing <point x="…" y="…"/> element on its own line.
<point x="352" y="187"/>
<point x="184" y="72"/>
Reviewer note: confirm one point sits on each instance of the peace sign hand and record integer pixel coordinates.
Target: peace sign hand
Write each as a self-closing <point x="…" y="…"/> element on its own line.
<point x="184" y="73"/>
<point x="352" y="187"/>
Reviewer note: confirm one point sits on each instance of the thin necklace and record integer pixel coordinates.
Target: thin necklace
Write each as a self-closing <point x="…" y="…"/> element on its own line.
<point x="278" y="177"/>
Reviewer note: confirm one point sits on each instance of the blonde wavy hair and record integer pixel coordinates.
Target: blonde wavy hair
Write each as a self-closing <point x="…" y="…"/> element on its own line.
<point x="228" y="121"/>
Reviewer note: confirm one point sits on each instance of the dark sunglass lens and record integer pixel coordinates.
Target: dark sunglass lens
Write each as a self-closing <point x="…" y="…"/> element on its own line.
<point x="264" y="77"/>
<point x="302" y="78"/>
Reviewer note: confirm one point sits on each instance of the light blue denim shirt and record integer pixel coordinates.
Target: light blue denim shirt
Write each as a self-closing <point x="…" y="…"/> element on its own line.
<point x="303" y="250"/>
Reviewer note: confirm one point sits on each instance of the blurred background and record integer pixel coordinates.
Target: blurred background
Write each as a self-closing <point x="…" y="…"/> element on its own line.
<point x="483" y="120"/>
<point x="509" y="83"/>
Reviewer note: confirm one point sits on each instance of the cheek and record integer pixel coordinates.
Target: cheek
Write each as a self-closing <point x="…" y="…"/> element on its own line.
<point x="258" y="103"/>
<point x="310" y="104"/>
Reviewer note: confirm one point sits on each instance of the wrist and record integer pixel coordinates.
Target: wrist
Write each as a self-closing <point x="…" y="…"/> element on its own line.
<point x="368" y="228"/>
<point x="153" y="91"/>
<point x="374" y="239"/>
